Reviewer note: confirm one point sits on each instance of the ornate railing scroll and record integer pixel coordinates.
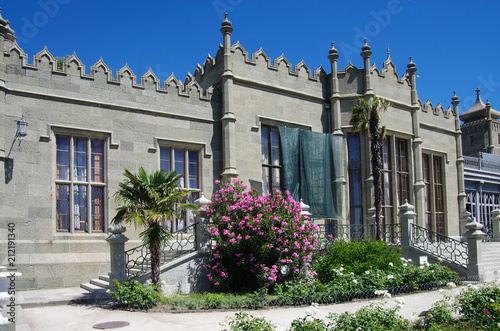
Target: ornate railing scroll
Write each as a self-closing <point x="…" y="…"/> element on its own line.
<point x="440" y="246"/>
<point x="138" y="259"/>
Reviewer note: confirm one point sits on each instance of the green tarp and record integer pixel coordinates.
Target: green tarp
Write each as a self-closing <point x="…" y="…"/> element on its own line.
<point x="313" y="166"/>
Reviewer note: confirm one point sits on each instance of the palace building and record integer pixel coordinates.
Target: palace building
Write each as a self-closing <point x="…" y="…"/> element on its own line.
<point x="241" y="115"/>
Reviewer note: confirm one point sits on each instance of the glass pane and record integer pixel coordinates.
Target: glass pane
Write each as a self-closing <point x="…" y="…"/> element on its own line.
<point x="80" y="159"/>
<point x="355" y="188"/>
<point x="80" y="208"/>
<point x="265" y="145"/>
<point x="193" y="169"/>
<point x="265" y="180"/>
<point x="275" y="145"/>
<point x="276" y="178"/>
<point x="354" y="156"/>
<point x="179" y="164"/>
<point x="356" y="216"/>
<point x="98" y="209"/>
<point x="165" y="159"/>
<point x="97" y="162"/>
<point x="62" y="157"/>
<point x="62" y="206"/>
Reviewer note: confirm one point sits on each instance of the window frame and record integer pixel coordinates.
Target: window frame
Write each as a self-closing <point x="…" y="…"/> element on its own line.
<point x="266" y="189"/>
<point x="71" y="181"/>
<point x="186" y="179"/>
<point x="435" y="191"/>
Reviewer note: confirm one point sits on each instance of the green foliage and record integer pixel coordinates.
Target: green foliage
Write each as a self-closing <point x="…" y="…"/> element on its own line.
<point x="245" y="322"/>
<point x="373" y="318"/>
<point x="309" y="323"/>
<point x="356" y="257"/>
<point x="480" y="306"/>
<point x="60" y="61"/>
<point x="257" y="299"/>
<point x="135" y="295"/>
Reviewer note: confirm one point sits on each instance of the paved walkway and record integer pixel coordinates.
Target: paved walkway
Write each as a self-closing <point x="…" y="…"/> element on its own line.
<point x="56" y="310"/>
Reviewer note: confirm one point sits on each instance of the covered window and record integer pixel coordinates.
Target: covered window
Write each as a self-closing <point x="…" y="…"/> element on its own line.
<point x="185" y="162"/>
<point x="80" y="184"/>
<point x="272" y="167"/>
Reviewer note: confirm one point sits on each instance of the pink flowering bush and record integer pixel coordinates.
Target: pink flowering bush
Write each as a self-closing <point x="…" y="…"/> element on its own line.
<point x="260" y="240"/>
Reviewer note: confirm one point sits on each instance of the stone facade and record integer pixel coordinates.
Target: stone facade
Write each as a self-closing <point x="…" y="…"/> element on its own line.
<point x="217" y="112"/>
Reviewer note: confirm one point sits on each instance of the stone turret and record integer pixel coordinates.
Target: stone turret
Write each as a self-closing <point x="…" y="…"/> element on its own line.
<point x="478" y="110"/>
<point x="366" y="53"/>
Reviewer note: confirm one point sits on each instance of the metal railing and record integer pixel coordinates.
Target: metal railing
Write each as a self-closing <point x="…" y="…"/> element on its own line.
<point x="439" y="245"/>
<point x="328" y="231"/>
<point x="138" y="259"/>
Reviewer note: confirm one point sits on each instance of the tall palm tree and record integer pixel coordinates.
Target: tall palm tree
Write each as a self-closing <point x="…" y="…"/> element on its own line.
<point x="147" y="200"/>
<point x="365" y="116"/>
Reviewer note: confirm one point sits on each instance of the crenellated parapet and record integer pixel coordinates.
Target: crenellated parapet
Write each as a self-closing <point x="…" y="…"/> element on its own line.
<point x="438" y="110"/>
<point x="260" y="58"/>
<point x="100" y="72"/>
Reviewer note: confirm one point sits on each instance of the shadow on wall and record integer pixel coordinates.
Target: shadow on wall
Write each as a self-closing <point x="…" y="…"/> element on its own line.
<point x="9" y="167"/>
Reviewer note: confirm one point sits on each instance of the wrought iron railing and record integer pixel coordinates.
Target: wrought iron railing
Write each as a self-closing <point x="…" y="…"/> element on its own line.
<point x="138" y="259"/>
<point x="391" y="233"/>
<point x="439" y="245"/>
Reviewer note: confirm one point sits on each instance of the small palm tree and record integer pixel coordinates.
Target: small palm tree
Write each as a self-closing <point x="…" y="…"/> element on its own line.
<point x="147" y="200"/>
<point x="365" y="116"/>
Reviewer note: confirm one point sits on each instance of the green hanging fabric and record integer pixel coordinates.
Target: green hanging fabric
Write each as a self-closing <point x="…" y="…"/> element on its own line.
<point x="312" y="163"/>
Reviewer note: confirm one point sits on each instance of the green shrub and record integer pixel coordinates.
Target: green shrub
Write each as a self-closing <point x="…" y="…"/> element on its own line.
<point x="356" y="257"/>
<point x="134" y="294"/>
<point x="309" y="323"/>
<point x="246" y="322"/>
<point x="480" y="306"/>
<point x="373" y="318"/>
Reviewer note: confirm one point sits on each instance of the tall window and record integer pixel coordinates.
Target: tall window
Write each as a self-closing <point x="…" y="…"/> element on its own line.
<point x="272" y="168"/>
<point x="355" y="179"/>
<point x="387" y="184"/>
<point x="185" y="162"/>
<point x="402" y="170"/>
<point x="80" y="184"/>
<point x="434" y="192"/>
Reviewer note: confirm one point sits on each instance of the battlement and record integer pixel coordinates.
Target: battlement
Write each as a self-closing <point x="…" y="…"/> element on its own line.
<point x="438" y="110"/>
<point x="260" y="58"/>
<point x="72" y="66"/>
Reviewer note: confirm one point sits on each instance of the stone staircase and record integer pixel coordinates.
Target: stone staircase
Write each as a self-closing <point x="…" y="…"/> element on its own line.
<point x="491" y="260"/>
<point x="97" y="285"/>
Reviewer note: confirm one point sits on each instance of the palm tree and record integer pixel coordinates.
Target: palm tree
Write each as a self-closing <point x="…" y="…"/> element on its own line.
<point x="365" y="117"/>
<point x="147" y="200"/>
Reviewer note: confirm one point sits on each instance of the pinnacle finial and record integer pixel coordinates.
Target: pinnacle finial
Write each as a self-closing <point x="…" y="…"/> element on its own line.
<point x="366" y="47"/>
<point x="388" y="52"/>
<point x="411" y="65"/>
<point x="478" y="91"/>
<point x="225" y="15"/>
<point x="454" y="98"/>
<point x="332" y="50"/>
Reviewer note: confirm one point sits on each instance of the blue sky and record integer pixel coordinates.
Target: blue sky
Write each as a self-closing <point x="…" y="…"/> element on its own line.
<point x="455" y="45"/>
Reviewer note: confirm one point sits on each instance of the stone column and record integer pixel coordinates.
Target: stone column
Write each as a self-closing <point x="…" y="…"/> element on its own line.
<point x="370" y="221"/>
<point x="366" y="53"/>
<point x="419" y="185"/>
<point x="407" y="216"/>
<point x="117" y="251"/>
<point x="474" y="236"/>
<point x="228" y="119"/>
<point x="202" y="235"/>
<point x="334" y="93"/>
<point x="460" y="164"/>
<point x="495" y="223"/>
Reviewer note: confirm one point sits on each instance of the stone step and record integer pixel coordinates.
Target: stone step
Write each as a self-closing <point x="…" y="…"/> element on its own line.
<point x="101" y="283"/>
<point x="104" y="277"/>
<point x="93" y="288"/>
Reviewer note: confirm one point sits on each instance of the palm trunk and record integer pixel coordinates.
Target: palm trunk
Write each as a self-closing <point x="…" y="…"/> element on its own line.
<point x="377" y="166"/>
<point x="155" y="266"/>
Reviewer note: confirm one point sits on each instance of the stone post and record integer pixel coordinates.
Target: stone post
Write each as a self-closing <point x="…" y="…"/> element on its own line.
<point x="407" y="216"/>
<point x="117" y="251"/>
<point x="474" y="236"/>
<point x="495" y="223"/>
<point x="465" y="218"/>
<point x="202" y="235"/>
<point x="370" y="217"/>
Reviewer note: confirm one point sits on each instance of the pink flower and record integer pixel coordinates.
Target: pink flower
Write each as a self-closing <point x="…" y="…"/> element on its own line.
<point x="217" y="182"/>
